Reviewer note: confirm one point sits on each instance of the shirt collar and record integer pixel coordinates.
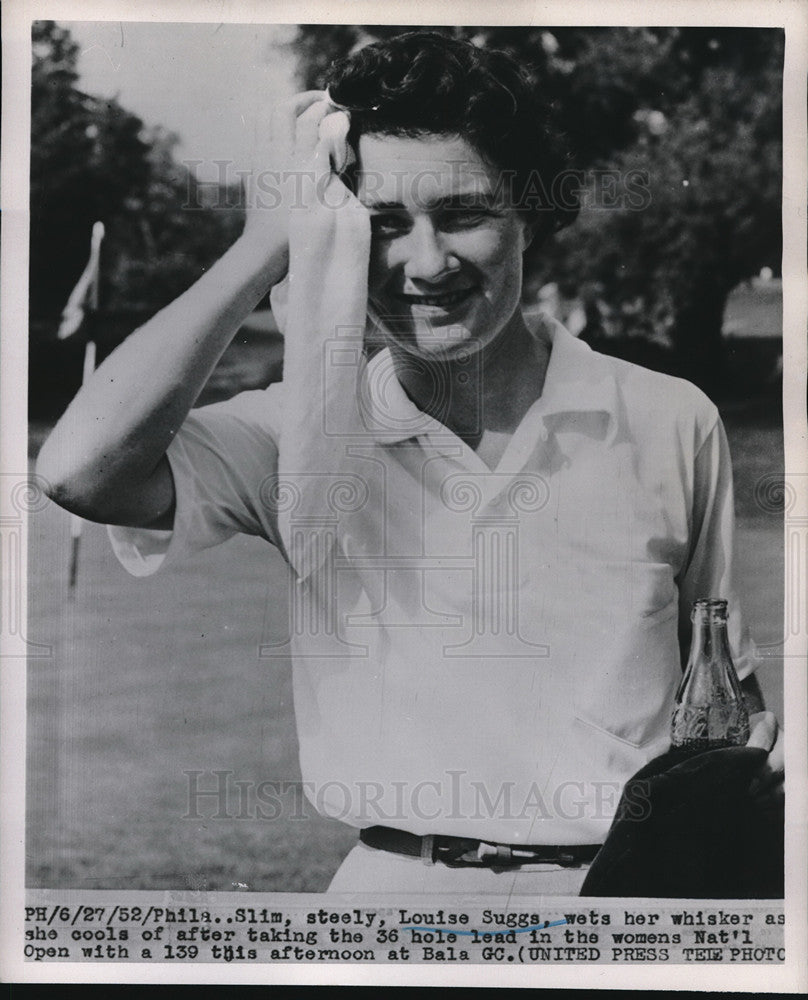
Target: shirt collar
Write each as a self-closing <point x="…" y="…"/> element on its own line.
<point x="576" y="382"/>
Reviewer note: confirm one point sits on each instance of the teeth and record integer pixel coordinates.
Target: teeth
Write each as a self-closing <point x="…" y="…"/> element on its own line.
<point x="437" y="300"/>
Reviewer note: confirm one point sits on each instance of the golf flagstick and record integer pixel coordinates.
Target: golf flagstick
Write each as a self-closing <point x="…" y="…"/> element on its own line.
<point x="83" y="297"/>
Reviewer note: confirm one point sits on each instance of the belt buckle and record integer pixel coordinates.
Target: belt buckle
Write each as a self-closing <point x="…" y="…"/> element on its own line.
<point x="492" y="854"/>
<point x="504" y="854"/>
<point x="457" y="855"/>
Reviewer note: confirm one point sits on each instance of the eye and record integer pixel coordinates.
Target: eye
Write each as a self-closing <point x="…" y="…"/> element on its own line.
<point x="389" y="224"/>
<point x="465" y="218"/>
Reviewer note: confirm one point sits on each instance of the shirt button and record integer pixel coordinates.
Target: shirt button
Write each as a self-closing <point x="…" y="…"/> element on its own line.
<point x="544" y="434"/>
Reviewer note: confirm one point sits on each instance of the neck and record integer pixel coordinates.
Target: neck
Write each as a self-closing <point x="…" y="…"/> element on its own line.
<point x="491" y="391"/>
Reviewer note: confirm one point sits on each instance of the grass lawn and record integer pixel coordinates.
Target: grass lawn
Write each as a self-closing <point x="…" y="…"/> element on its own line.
<point x="149" y="679"/>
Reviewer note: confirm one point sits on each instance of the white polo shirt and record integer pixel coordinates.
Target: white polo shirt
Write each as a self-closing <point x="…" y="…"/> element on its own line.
<point x="483" y="653"/>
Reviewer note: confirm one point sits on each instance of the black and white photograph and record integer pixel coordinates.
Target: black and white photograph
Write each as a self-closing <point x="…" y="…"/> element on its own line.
<point x="415" y="538"/>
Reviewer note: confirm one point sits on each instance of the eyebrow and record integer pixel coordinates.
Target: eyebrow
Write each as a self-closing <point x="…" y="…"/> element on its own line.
<point x="469" y="199"/>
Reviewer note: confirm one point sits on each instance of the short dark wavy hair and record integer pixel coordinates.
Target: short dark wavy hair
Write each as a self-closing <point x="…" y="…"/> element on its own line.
<point x="425" y="83"/>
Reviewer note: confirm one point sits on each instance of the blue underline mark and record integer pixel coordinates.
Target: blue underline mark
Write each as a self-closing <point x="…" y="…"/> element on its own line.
<point x="514" y="930"/>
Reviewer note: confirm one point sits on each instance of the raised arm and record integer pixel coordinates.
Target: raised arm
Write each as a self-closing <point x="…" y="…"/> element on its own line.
<point x="105" y="459"/>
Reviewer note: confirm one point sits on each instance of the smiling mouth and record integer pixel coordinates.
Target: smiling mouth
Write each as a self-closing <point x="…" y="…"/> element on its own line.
<point x="443" y="300"/>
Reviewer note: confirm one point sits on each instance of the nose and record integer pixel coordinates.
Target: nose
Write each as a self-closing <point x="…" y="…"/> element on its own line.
<point x="427" y="255"/>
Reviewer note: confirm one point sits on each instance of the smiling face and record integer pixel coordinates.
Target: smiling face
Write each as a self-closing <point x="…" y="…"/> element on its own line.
<point x="446" y="258"/>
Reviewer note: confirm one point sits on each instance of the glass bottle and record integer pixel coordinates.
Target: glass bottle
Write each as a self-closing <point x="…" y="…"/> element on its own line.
<point x="710" y="711"/>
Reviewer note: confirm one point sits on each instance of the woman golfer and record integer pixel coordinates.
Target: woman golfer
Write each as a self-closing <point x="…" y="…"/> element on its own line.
<point x="494" y="533"/>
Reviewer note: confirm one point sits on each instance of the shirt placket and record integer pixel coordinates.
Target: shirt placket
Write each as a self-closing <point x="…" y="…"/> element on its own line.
<point x="490" y="510"/>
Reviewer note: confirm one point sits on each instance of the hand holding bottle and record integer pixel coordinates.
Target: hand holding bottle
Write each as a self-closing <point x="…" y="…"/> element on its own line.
<point x="710" y="711"/>
<point x="767" y="787"/>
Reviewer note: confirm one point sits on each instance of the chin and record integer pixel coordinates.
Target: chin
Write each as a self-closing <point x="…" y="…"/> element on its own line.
<point x="431" y="341"/>
<point x="438" y="349"/>
<point x="444" y="340"/>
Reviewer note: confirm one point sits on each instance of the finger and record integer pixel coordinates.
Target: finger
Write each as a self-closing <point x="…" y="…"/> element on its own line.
<point x="777" y="755"/>
<point x="307" y="129"/>
<point x="764" y="731"/>
<point x="305" y="98"/>
<point x="334" y="130"/>
<point x="755" y="717"/>
<point x="285" y="115"/>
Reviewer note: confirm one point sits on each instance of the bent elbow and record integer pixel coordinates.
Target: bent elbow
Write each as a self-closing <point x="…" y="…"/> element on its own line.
<point x="98" y="486"/>
<point x="65" y="483"/>
<point x="50" y="476"/>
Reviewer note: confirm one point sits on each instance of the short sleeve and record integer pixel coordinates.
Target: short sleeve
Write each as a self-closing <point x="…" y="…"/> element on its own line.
<point x="709" y="569"/>
<point x="223" y="460"/>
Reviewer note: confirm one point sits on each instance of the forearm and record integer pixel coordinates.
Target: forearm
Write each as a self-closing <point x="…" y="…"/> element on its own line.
<point x="115" y="432"/>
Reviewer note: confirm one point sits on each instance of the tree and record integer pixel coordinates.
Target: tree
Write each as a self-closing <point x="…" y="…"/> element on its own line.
<point x="91" y="159"/>
<point x="710" y="146"/>
<point x="172" y="230"/>
<point x="87" y="156"/>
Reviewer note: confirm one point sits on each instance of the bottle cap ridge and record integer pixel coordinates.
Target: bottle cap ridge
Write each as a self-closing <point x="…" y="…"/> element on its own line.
<point x="709" y="609"/>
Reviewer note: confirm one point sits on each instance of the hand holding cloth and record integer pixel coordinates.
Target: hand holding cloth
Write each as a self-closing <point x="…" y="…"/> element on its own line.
<point x="321" y="307"/>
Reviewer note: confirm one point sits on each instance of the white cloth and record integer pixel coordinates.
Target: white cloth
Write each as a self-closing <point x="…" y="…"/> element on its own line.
<point x="485" y="654"/>
<point x="322" y="316"/>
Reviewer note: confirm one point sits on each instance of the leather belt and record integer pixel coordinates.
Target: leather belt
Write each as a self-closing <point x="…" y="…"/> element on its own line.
<point x="461" y="852"/>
